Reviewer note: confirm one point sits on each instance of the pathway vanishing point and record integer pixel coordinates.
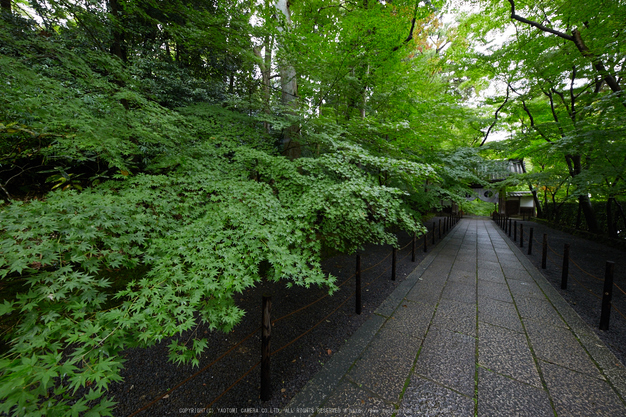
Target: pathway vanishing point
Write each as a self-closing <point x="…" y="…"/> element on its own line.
<point x="474" y="330"/>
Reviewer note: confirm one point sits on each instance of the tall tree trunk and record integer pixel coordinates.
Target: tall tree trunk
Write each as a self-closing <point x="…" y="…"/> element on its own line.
<point x="610" y="223"/>
<point x="265" y="65"/>
<point x="5" y="6"/>
<point x="118" y="47"/>
<point x="575" y="168"/>
<point x="364" y="94"/>
<point x="620" y="213"/>
<point x="537" y="202"/>
<point x="289" y="89"/>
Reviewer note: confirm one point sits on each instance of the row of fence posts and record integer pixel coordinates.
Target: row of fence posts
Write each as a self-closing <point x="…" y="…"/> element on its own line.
<point x="266" y="323"/>
<point x="508" y="224"/>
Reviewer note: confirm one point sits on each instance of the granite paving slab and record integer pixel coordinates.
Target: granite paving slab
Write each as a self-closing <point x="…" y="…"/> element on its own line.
<point x="499" y="313"/>
<point x="576" y="394"/>
<point x="475" y="330"/>
<point x="501" y="396"/>
<point x="507" y="353"/>
<point x="450" y="359"/>
<point x="495" y="290"/>
<point x="426" y="398"/>
<point x="539" y="310"/>
<point x="456" y="316"/>
<point x="558" y="345"/>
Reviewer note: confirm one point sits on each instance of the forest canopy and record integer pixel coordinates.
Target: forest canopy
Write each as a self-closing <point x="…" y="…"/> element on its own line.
<point x="157" y="158"/>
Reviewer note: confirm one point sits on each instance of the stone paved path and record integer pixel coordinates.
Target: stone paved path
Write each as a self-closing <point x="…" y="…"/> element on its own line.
<point x="474" y="330"/>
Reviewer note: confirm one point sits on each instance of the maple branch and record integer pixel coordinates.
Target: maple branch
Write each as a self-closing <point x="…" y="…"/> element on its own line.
<point x="496" y="116"/>
<point x="580" y="44"/>
<point x="530" y="116"/>
<point x="408" y="38"/>
<point x="538" y="25"/>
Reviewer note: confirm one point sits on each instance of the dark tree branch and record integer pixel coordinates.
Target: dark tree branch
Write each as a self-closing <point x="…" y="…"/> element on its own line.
<point x="554" y="115"/>
<point x="495" y="120"/>
<point x="408" y="38"/>
<point x="597" y="62"/>
<point x="562" y="96"/>
<point x="530" y="116"/>
<point x="538" y="25"/>
<point x="572" y="95"/>
<point x="580" y="44"/>
<point x="599" y="83"/>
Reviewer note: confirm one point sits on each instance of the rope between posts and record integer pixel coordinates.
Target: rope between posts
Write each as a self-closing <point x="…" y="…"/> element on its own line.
<point x="574" y="278"/>
<point x="555" y="252"/>
<point x="145" y="407"/>
<point x="229" y="388"/>
<point x="374" y="266"/>
<point x="590" y="291"/>
<point x="406" y="246"/>
<point x="591" y="275"/>
<point x="293" y="340"/>
<point x="273" y="322"/>
<point x="581" y="269"/>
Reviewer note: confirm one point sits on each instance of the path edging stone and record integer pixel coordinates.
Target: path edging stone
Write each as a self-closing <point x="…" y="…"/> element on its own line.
<point x="318" y="389"/>
<point x="601" y="355"/>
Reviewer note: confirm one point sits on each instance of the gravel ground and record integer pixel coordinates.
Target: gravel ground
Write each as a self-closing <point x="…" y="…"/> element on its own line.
<point x="587" y="261"/>
<point x="301" y="342"/>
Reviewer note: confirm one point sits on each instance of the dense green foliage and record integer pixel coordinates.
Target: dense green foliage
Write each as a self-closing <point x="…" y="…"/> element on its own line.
<point x="151" y="163"/>
<point x="561" y="78"/>
<point x="157" y="158"/>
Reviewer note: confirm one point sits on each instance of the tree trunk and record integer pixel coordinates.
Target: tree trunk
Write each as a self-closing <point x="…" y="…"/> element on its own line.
<point x="117" y="47"/>
<point x="598" y="65"/>
<point x="623" y="217"/>
<point x="289" y="89"/>
<point x="590" y="215"/>
<point x="575" y="168"/>
<point x="265" y="66"/>
<point x="537" y="202"/>
<point x="610" y="223"/>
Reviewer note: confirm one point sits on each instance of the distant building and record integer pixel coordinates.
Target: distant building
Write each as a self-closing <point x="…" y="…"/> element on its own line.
<point x="518" y="203"/>
<point x="512" y="203"/>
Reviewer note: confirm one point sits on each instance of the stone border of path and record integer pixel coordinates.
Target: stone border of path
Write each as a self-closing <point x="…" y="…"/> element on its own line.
<point x="603" y="357"/>
<point x="324" y="383"/>
<point x="317" y="390"/>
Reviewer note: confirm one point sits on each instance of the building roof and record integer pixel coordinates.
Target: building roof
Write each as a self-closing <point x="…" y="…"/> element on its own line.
<point x="495" y="170"/>
<point x="519" y="194"/>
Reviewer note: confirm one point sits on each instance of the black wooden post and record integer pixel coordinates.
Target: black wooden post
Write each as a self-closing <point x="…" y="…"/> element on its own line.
<point x="530" y="242"/>
<point x="521" y="235"/>
<point x="544" y="251"/>
<point x="394" y="257"/>
<point x="434" y="227"/>
<point x="413" y="247"/>
<point x="510" y="227"/>
<point x="357" y="306"/>
<point x="565" y="267"/>
<point x="426" y="241"/>
<point x="515" y="231"/>
<point x="439" y="228"/>
<point x="607" y="295"/>
<point x="266" y="333"/>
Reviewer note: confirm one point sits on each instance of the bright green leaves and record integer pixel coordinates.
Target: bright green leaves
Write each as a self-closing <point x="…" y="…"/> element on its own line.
<point x="230" y="216"/>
